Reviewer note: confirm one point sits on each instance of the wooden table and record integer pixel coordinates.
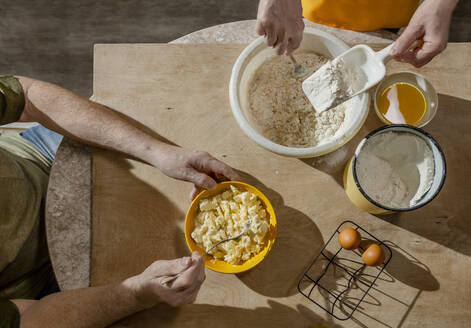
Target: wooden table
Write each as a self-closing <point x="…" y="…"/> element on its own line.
<point x="68" y="203"/>
<point x="426" y="285"/>
<point x="138" y="213"/>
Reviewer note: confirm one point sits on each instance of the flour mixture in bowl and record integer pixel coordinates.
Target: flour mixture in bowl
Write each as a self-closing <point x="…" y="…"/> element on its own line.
<point x="280" y="109"/>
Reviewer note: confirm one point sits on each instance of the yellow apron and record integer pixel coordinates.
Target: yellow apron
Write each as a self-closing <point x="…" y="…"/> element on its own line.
<point x="360" y="15"/>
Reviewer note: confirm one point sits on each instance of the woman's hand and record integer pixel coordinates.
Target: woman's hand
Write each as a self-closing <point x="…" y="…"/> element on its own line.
<point x="281" y="22"/>
<point x="194" y="166"/>
<point x="430" y="23"/>
<point x="149" y="291"/>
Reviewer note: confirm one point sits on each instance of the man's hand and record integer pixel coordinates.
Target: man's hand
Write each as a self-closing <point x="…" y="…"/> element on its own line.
<point x="149" y="291"/>
<point x="281" y="22"/>
<point x="194" y="166"/>
<point x="431" y="23"/>
<point x="101" y="306"/>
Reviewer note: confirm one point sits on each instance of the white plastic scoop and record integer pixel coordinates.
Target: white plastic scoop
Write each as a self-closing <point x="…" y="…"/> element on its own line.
<point x="353" y="72"/>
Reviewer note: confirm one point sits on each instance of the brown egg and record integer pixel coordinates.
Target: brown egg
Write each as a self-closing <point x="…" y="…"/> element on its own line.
<point x="349" y="238"/>
<point x="373" y="255"/>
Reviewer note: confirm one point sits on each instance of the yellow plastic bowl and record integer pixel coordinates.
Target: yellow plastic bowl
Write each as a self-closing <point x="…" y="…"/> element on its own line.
<point x="218" y="265"/>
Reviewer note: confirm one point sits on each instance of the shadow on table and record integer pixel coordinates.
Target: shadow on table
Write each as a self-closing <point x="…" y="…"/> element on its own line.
<point x="334" y="163"/>
<point x="129" y="233"/>
<point x="339" y="283"/>
<point x="274" y="314"/>
<point x="297" y="242"/>
<point x="446" y="219"/>
<point x="403" y="268"/>
<point x="409" y="270"/>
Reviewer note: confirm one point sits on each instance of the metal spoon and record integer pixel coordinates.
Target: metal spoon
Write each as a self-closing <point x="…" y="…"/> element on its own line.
<point x="246" y="229"/>
<point x="299" y="71"/>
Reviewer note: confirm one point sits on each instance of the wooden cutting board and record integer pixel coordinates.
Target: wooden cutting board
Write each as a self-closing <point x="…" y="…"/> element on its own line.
<point x="181" y="93"/>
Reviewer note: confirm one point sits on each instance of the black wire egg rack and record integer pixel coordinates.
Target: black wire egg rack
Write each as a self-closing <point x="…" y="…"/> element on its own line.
<point x="342" y="279"/>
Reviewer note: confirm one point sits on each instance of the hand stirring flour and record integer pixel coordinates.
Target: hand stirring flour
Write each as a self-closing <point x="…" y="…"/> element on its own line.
<point x="395" y="169"/>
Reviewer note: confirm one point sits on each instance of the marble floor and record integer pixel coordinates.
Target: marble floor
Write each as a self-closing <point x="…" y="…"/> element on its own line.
<point x="53" y="40"/>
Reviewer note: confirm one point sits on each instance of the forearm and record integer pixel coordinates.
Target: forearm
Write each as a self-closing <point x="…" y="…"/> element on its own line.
<point x="86" y="121"/>
<point x="451" y="4"/>
<point x="91" y="123"/>
<point x="446" y="6"/>
<point x="88" y="307"/>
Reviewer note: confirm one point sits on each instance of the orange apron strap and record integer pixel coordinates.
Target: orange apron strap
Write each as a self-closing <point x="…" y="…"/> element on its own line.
<point x="360" y="15"/>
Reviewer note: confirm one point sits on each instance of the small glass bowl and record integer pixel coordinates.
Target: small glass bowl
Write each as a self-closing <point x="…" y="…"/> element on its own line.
<point x="420" y="82"/>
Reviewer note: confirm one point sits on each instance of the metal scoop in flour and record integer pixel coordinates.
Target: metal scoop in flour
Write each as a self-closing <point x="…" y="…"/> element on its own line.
<point x="299" y="71"/>
<point x="353" y="72"/>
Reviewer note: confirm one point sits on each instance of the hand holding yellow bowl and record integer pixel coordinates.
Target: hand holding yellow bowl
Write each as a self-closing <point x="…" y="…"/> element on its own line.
<point x="219" y="265"/>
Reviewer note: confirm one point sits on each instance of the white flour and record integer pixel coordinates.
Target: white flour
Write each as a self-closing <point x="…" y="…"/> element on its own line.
<point x="332" y="84"/>
<point x="395" y="169"/>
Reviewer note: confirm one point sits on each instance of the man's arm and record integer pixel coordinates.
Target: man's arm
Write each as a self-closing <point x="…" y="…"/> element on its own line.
<point x="104" y="305"/>
<point x="88" y="307"/>
<point x="78" y="118"/>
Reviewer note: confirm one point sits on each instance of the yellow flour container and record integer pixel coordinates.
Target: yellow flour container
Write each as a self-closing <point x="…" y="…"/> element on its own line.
<point x="359" y="197"/>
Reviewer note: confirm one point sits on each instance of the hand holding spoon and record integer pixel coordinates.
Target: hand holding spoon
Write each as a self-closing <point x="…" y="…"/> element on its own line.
<point x="246" y="229"/>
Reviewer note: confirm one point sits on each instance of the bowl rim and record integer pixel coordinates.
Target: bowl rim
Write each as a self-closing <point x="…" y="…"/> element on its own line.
<point x="394" y="127"/>
<point x="267" y="204"/>
<point x="266" y="143"/>
<point x="386" y="82"/>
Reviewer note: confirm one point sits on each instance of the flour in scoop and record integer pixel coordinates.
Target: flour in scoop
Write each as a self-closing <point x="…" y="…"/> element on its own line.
<point x="395" y="169"/>
<point x="333" y="84"/>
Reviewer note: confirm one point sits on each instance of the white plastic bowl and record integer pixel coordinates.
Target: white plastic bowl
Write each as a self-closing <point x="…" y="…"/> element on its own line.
<point x="253" y="56"/>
